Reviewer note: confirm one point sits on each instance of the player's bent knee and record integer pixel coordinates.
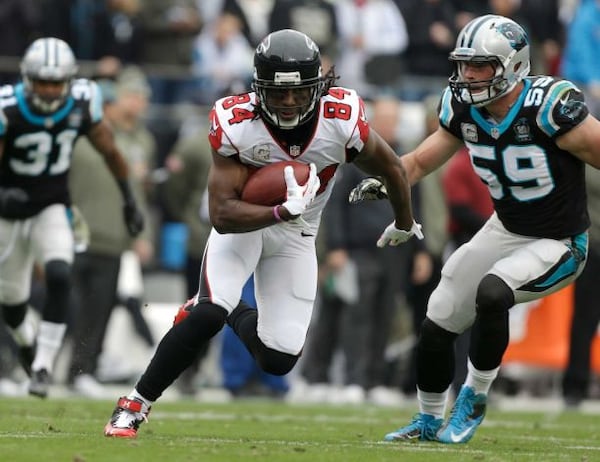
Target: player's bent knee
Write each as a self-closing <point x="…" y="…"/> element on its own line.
<point x="289" y="337"/>
<point x="493" y="295"/>
<point x="202" y="323"/>
<point x="13" y="315"/>
<point x="58" y="274"/>
<point x="433" y="337"/>
<point x="275" y="362"/>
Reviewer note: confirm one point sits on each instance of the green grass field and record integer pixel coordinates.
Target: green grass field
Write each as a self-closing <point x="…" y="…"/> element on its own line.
<point x="70" y="430"/>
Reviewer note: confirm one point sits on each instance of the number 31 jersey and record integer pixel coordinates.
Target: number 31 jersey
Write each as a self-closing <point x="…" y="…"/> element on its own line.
<point x="537" y="188"/>
<point x="38" y="147"/>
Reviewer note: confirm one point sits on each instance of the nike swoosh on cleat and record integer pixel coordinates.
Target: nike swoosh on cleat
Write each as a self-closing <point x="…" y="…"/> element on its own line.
<point x="458" y="438"/>
<point x="303" y="234"/>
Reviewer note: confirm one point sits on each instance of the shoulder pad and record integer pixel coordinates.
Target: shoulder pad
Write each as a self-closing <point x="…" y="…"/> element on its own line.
<point x="563" y="108"/>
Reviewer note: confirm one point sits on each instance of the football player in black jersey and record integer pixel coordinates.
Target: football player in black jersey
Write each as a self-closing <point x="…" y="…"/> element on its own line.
<point x="529" y="139"/>
<point x="40" y="119"/>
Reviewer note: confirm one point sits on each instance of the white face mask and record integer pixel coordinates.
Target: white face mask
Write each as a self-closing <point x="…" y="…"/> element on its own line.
<point x="45" y="105"/>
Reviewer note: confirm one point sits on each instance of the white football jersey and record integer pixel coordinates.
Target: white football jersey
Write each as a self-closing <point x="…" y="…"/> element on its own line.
<point x="236" y="130"/>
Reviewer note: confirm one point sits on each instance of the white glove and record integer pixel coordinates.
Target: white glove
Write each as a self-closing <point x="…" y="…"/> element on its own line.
<point x="394" y="236"/>
<point x="299" y="197"/>
<point x="369" y="189"/>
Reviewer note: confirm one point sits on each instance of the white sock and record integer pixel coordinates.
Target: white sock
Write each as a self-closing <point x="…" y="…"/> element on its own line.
<point x="49" y="340"/>
<point x="24" y="334"/>
<point x="136" y="395"/>
<point x="480" y="381"/>
<point x="432" y="403"/>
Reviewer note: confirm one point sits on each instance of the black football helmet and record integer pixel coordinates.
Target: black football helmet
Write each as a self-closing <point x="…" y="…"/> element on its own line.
<point x="287" y="60"/>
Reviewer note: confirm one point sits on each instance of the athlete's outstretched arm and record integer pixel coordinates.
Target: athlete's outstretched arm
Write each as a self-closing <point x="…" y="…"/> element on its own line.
<point x="431" y="154"/>
<point x="583" y="141"/>
<point x="101" y="137"/>
<point x="379" y="159"/>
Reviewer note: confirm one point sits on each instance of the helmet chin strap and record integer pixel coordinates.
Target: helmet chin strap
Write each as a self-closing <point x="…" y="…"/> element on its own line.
<point x="41" y="104"/>
<point x="288" y="124"/>
<point x="46" y="106"/>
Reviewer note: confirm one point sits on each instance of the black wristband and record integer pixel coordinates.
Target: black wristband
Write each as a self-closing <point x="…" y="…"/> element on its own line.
<point x="126" y="191"/>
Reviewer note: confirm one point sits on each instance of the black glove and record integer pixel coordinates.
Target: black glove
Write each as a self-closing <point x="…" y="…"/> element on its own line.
<point x="12" y="200"/>
<point x="134" y="220"/>
<point x="369" y="189"/>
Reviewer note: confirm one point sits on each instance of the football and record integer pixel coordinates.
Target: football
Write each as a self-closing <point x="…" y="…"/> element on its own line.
<point x="266" y="185"/>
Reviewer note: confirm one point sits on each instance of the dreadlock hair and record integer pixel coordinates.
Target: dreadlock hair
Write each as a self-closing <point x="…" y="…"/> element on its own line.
<point x="329" y="79"/>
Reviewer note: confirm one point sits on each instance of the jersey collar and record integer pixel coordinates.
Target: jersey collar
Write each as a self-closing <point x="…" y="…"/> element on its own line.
<point x="38" y="119"/>
<point x="497" y="130"/>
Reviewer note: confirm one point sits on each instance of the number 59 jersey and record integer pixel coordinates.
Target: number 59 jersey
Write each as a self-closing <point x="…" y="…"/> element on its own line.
<point x="38" y="147"/>
<point x="340" y="129"/>
<point x="537" y="188"/>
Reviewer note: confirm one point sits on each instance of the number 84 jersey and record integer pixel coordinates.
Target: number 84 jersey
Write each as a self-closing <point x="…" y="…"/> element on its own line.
<point x="37" y="147"/>
<point x="537" y="188"/>
<point x="340" y="129"/>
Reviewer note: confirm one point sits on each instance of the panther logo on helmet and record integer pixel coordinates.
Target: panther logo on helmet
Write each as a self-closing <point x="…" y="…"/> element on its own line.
<point x="515" y="35"/>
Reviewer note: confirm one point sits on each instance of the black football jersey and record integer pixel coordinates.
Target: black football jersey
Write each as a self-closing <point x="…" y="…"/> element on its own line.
<point x="537" y="188"/>
<point x="38" y="147"/>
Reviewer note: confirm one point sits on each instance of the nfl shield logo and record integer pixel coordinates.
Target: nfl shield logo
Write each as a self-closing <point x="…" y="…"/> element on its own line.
<point x="294" y="151"/>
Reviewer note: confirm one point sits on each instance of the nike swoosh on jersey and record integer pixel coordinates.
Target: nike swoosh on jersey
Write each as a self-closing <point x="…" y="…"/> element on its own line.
<point x="458" y="438"/>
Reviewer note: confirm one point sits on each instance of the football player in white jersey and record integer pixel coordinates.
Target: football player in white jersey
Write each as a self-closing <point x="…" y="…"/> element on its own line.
<point x="40" y="119"/>
<point x="529" y="138"/>
<point x="294" y="112"/>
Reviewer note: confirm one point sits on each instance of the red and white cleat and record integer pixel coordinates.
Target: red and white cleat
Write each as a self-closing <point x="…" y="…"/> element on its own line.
<point x="126" y="418"/>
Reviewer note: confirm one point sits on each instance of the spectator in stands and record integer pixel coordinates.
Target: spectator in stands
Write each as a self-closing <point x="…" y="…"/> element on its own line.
<point x="541" y="22"/>
<point x="432" y="32"/>
<point x="582" y="52"/>
<point x="118" y="31"/>
<point x="20" y="23"/>
<point x="316" y="18"/>
<point x="465" y="10"/>
<point x="222" y="59"/>
<point x="96" y="29"/>
<point x="254" y="16"/>
<point x="210" y="11"/>
<point x="425" y="256"/>
<point x="581" y="55"/>
<point x="170" y="28"/>
<point x="72" y="21"/>
<point x="586" y="309"/>
<point x="373" y="36"/>
<point x="96" y="271"/>
<point x="358" y="294"/>
<point x="182" y="194"/>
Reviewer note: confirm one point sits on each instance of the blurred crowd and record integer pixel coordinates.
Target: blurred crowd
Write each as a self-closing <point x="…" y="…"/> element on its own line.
<point x="162" y="63"/>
